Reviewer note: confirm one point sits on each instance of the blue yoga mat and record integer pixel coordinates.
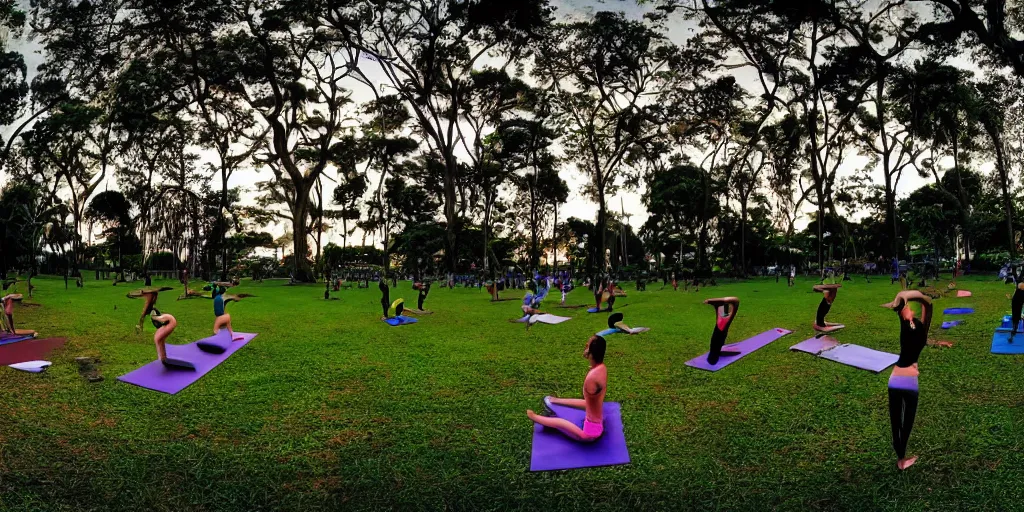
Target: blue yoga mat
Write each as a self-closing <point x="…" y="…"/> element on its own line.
<point x="1001" y="343"/>
<point x="951" y="324"/>
<point x="958" y="311"/>
<point x="400" y="320"/>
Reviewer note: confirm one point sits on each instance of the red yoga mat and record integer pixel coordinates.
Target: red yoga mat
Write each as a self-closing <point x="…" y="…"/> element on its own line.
<point x="29" y="350"/>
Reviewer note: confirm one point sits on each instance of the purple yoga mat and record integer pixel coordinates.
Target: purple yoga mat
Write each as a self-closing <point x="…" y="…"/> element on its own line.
<point x="860" y="357"/>
<point x="815" y="345"/>
<point x="744" y="347"/>
<point x="552" y="450"/>
<point x="951" y="324"/>
<point x="14" y="338"/>
<point x="158" y="377"/>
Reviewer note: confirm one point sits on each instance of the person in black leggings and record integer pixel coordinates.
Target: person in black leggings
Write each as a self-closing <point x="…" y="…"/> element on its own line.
<point x="1016" y="301"/>
<point x="725" y="313"/>
<point x="903" y="388"/>
<point x="830" y="291"/>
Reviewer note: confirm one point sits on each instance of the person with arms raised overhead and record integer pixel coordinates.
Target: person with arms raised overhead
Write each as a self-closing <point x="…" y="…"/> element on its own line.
<point x="903" y="388"/>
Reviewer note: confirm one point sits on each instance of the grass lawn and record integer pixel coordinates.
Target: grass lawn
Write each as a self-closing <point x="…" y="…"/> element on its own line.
<point x="329" y="408"/>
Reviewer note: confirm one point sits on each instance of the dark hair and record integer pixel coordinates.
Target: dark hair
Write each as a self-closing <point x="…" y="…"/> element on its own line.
<point x="597" y="348"/>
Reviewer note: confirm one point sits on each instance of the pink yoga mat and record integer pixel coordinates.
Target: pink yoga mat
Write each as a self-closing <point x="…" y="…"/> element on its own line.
<point x="158" y="377"/>
<point x="744" y="347"/>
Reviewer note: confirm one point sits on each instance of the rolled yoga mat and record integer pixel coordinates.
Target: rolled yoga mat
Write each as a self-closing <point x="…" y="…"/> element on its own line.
<point x="963" y="293"/>
<point x="29" y="350"/>
<point x="552" y="450"/>
<point x="217" y="344"/>
<point x="744" y="347"/>
<point x="595" y="310"/>
<point x="157" y="377"/>
<point x="1001" y="343"/>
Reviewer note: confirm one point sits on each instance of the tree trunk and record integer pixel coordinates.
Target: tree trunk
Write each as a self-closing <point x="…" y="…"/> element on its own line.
<point x="486" y="230"/>
<point x="1005" y="187"/>
<point x="743" y="237"/>
<point x="300" y="232"/>
<point x="554" y="241"/>
<point x="602" y="220"/>
<point x="451" y="230"/>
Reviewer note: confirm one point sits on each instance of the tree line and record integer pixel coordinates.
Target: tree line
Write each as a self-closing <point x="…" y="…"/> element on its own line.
<point x="445" y="128"/>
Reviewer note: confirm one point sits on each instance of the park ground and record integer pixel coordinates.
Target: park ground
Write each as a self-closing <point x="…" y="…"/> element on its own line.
<point x="330" y="409"/>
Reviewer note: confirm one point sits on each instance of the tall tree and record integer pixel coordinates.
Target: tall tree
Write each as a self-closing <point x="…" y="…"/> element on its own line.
<point x="602" y="73"/>
<point x="427" y="53"/>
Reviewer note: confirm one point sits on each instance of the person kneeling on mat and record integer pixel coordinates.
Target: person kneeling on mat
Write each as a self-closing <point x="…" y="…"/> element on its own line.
<point x="165" y="325"/>
<point x="903" y="388"/>
<point x="830" y="291"/>
<point x="725" y="313"/>
<point x="594" y="387"/>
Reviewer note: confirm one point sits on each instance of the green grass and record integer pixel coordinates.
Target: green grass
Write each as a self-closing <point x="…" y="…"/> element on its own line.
<point x="331" y="409"/>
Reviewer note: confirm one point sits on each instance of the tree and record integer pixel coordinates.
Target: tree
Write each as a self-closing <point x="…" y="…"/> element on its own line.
<point x="113" y="212"/>
<point x="427" y="53"/>
<point x="13" y="72"/>
<point x="600" y="73"/>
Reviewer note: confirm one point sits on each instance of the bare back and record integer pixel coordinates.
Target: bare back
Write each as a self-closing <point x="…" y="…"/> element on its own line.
<point x="594" y="388"/>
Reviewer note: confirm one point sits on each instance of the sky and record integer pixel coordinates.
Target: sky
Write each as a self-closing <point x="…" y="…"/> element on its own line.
<point x="577" y="206"/>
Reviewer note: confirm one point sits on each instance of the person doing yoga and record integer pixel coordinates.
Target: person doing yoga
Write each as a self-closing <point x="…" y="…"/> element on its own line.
<point x="165" y="325"/>
<point x="386" y="305"/>
<point x="903" y="389"/>
<point x="8" y="305"/>
<point x="149" y="295"/>
<point x="725" y="313"/>
<point x="829" y="291"/>
<point x="222" y="318"/>
<point x="594" y="388"/>
<point x="1016" y="301"/>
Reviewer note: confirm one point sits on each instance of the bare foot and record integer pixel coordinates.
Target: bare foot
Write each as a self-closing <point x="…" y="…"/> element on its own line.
<point x="903" y="464"/>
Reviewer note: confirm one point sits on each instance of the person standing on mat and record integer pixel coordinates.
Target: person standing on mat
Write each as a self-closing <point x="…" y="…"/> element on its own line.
<point x="385" y="304"/>
<point x="594" y="388"/>
<point x="1016" y="302"/>
<point x="903" y="389"/>
<point x="222" y="318"/>
<point x="165" y="325"/>
<point x="829" y="291"/>
<point x="725" y="313"/>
